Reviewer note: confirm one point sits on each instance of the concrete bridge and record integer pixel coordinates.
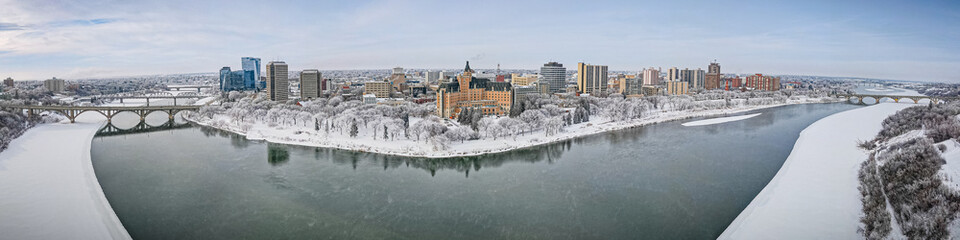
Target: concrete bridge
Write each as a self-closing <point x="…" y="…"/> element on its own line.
<point x="178" y="87"/>
<point x="895" y="98"/>
<point x="161" y="95"/>
<point x="71" y="112"/>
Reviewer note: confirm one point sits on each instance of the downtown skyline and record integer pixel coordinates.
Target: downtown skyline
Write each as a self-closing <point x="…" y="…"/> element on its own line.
<point x="886" y="40"/>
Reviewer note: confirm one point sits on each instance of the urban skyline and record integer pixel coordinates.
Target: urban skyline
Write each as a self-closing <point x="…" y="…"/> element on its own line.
<point x="884" y="40"/>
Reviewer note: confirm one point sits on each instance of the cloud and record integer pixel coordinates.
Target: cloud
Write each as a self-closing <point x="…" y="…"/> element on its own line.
<point x="82" y="22"/>
<point x="10" y="26"/>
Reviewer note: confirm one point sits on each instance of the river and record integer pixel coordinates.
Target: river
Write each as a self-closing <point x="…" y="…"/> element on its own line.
<point x="661" y="181"/>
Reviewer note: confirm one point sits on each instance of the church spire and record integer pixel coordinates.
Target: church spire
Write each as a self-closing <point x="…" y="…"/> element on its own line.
<point x="467" y="69"/>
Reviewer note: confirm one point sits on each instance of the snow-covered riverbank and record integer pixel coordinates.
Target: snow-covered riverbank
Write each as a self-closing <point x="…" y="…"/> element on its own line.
<point x="49" y="187"/>
<point x="307" y="136"/>
<point x="718" y="120"/>
<point x="814" y="195"/>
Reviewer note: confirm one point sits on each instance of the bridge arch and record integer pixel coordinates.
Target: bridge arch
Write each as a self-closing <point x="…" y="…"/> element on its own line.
<point x="881" y="98"/>
<point x="160" y="94"/>
<point x="184" y="94"/>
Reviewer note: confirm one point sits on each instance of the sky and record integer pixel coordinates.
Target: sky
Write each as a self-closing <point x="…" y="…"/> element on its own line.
<point x="902" y="40"/>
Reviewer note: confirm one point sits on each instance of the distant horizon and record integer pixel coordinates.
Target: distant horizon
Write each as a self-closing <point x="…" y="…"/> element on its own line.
<point x="912" y="41"/>
<point x="481" y="69"/>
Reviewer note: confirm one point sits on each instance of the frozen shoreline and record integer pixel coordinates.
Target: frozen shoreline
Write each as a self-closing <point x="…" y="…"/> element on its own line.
<point x="814" y="194"/>
<point x="476" y="147"/>
<point x="718" y="120"/>
<point x="50" y="188"/>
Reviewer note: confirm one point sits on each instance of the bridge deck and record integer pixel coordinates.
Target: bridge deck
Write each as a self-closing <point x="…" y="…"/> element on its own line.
<point x="52" y="107"/>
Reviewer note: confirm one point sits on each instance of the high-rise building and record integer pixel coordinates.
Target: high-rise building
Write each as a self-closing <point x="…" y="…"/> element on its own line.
<point x="673" y="74"/>
<point x="591" y="79"/>
<point x="277" y="82"/>
<point x="251" y="69"/>
<point x="629" y="85"/>
<point x="651" y="77"/>
<point x="310" y="84"/>
<point x="8" y="82"/>
<point x="554" y="74"/>
<point x="481" y="94"/>
<point x="694" y="78"/>
<point x="713" y="76"/>
<point x="54" y="85"/>
<point x="677" y="87"/>
<point x="433" y="77"/>
<point x="232" y="80"/>
<point x="761" y="82"/>
<point x="398" y="79"/>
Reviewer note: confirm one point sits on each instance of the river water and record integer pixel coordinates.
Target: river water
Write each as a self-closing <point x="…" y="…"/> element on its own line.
<point x="662" y="181"/>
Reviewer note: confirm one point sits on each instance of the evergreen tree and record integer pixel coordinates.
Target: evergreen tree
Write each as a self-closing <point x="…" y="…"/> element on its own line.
<point x="353" y="129"/>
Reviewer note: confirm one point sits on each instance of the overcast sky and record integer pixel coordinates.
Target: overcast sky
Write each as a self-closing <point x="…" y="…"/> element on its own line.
<point x="907" y="40"/>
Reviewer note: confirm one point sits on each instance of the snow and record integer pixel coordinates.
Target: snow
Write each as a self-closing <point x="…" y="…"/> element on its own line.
<point x="718" y="120"/>
<point x="305" y="134"/>
<point x="950" y="172"/>
<point x="814" y="195"/>
<point x="49" y="187"/>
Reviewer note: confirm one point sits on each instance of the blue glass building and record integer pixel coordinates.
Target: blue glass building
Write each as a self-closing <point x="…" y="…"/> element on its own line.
<point x="251" y="79"/>
<point x="242" y="80"/>
<point x="231" y="80"/>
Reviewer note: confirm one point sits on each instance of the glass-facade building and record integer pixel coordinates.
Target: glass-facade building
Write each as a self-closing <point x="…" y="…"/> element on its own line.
<point x="242" y="80"/>
<point x="231" y="80"/>
<point x="252" y="77"/>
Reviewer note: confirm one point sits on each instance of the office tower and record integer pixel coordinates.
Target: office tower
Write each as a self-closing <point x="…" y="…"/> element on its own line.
<point x="713" y="76"/>
<point x="554" y="74"/>
<point x="651" y="76"/>
<point x="54" y="85"/>
<point x="8" y="82"/>
<point x="251" y="69"/>
<point x="673" y="74"/>
<point x="398" y="79"/>
<point x="277" y="82"/>
<point x="433" y="77"/>
<point x="591" y="79"/>
<point x="479" y="94"/>
<point x="231" y="80"/>
<point x="310" y="84"/>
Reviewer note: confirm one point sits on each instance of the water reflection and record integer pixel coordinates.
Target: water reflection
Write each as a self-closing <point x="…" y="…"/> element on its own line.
<point x="142" y="127"/>
<point x="277" y="154"/>
<point x="548" y="153"/>
<point x="661" y="181"/>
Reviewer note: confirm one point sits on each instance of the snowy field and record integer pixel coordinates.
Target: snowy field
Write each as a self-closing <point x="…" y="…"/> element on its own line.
<point x="814" y="195"/>
<point x="307" y="136"/>
<point x="49" y="187"/>
<point x="718" y="120"/>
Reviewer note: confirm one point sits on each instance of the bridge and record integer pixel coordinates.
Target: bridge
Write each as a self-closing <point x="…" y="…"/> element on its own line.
<point x="178" y="87"/>
<point x="895" y="98"/>
<point x="71" y="112"/>
<point x="160" y="95"/>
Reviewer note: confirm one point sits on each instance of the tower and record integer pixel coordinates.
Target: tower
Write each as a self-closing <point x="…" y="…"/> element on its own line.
<point x="277" y="82"/>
